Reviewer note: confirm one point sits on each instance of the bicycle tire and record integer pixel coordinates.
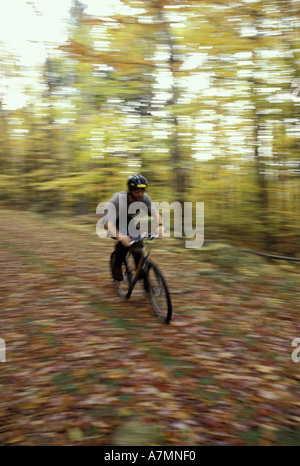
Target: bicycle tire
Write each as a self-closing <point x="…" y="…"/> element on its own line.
<point x="159" y="293"/>
<point x="123" y="286"/>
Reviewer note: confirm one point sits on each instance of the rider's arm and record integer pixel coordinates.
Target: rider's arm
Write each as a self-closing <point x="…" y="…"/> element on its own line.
<point x="114" y="233"/>
<point x="160" y="229"/>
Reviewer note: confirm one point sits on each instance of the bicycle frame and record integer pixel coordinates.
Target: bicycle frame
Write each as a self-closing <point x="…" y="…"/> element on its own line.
<point x="143" y="260"/>
<point x="154" y="283"/>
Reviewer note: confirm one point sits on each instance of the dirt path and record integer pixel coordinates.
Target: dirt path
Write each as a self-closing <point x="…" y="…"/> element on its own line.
<point x="84" y="367"/>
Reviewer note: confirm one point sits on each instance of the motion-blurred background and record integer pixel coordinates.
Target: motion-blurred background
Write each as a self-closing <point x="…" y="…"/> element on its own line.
<point x="202" y="97"/>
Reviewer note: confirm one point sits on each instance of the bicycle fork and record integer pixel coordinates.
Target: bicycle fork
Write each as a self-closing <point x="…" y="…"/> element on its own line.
<point x="144" y="257"/>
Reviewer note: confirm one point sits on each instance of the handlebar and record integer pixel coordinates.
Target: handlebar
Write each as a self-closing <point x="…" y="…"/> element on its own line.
<point x="143" y="236"/>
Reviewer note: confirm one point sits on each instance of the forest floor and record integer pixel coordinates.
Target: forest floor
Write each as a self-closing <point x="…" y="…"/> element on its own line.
<point x="84" y="367"/>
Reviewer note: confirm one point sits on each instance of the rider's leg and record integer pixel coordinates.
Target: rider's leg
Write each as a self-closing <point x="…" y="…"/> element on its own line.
<point x="119" y="259"/>
<point x="121" y="252"/>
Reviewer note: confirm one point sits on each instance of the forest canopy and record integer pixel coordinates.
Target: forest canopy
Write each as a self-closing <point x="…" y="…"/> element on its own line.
<point x="202" y="97"/>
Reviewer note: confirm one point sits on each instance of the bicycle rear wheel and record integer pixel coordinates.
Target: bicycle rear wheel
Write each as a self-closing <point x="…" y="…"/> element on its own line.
<point x="159" y="293"/>
<point x="122" y="287"/>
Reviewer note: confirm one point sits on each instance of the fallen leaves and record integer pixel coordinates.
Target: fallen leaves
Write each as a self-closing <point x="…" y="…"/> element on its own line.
<point x="83" y="366"/>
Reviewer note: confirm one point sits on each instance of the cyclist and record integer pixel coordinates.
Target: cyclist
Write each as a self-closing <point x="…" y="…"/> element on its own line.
<point x="136" y="186"/>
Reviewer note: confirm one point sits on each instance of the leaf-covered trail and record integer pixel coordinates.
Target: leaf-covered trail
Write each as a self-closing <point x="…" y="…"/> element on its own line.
<point x="85" y="367"/>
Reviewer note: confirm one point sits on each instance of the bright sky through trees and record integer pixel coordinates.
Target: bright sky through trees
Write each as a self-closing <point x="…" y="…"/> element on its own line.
<point x="28" y="28"/>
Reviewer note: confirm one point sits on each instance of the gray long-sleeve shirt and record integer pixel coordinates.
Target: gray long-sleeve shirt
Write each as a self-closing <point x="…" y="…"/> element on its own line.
<point x="120" y="211"/>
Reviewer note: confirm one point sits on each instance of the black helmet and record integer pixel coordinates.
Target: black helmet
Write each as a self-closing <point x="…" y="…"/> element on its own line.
<point x="137" y="181"/>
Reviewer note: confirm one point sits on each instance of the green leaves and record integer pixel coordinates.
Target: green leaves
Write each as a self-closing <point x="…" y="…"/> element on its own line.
<point x="200" y="96"/>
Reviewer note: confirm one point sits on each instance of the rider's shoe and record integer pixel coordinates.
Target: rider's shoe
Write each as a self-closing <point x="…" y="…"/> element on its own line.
<point x="117" y="273"/>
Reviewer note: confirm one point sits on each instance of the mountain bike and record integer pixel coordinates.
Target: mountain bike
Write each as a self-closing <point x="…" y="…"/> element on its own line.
<point x="137" y="266"/>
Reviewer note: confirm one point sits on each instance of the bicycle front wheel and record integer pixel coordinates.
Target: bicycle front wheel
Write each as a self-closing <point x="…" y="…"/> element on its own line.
<point x="159" y="293"/>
